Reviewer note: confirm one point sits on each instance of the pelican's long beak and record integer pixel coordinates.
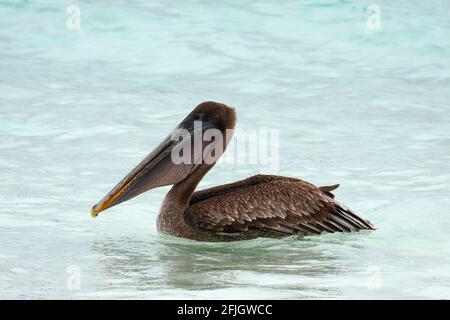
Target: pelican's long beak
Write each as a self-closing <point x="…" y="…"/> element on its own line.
<point x="163" y="167"/>
<point x="129" y="186"/>
<point x="156" y="170"/>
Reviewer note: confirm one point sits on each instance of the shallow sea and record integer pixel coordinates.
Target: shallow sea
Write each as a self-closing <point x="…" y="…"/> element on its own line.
<point x="363" y="104"/>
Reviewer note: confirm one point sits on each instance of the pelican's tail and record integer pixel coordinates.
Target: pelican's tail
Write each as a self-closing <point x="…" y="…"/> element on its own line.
<point x="327" y="190"/>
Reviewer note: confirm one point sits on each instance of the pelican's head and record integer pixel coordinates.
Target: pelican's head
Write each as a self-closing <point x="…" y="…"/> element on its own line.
<point x="198" y="140"/>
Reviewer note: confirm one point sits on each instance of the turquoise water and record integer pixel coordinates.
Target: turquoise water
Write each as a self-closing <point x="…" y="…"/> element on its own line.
<point x="364" y="107"/>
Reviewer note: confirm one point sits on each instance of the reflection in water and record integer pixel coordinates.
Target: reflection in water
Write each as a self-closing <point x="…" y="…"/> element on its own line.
<point x="171" y="263"/>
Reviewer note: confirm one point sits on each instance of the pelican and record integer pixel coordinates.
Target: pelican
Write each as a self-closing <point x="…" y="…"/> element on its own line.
<point x="259" y="206"/>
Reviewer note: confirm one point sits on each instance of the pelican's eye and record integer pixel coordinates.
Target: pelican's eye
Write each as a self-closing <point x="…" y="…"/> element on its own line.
<point x="198" y="116"/>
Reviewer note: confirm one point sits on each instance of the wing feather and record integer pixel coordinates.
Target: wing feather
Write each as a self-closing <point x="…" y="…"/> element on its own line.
<point x="271" y="204"/>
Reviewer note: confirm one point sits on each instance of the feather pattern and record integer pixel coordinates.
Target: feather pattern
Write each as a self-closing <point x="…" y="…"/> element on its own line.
<point x="265" y="205"/>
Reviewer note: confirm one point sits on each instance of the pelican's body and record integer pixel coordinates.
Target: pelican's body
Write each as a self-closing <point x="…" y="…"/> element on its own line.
<point x="260" y="206"/>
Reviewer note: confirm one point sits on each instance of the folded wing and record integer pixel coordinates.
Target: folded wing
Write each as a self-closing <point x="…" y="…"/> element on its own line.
<point x="264" y="205"/>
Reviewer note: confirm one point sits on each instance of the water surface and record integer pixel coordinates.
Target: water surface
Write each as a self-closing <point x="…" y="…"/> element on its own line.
<point x="365" y="108"/>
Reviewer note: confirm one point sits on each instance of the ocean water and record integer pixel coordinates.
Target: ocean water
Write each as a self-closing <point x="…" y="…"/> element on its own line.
<point x="360" y="97"/>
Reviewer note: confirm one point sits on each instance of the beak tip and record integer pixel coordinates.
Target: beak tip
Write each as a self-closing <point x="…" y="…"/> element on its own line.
<point x="94" y="212"/>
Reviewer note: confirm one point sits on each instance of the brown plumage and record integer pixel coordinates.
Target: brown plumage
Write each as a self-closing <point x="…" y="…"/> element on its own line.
<point x="260" y="206"/>
<point x="270" y="206"/>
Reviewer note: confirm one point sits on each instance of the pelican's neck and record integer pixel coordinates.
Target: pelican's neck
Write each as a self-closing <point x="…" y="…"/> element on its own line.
<point x="182" y="192"/>
<point x="170" y="219"/>
<point x="171" y="215"/>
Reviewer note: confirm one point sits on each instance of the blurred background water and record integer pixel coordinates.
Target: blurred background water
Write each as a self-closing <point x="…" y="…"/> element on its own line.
<point x="364" y="107"/>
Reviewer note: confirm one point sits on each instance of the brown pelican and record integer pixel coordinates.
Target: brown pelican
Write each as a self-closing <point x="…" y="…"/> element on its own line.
<point x="260" y="206"/>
